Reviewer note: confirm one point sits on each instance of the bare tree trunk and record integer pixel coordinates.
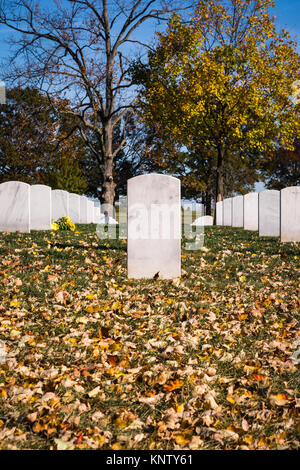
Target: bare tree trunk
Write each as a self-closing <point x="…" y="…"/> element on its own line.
<point x="108" y="192"/>
<point x="207" y="203"/>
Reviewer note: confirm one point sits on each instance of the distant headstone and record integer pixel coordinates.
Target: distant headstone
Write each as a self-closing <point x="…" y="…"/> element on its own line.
<point x="251" y="211"/>
<point x="269" y="213"/>
<point x="238" y="211"/>
<point x="204" y="221"/>
<point x="219" y="213"/>
<point x="74" y="207"/>
<point x="60" y="204"/>
<point x="40" y="207"/>
<point x="14" y="207"/>
<point x="227" y="212"/>
<point x="290" y="214"/>
<point x="154" y="227"/>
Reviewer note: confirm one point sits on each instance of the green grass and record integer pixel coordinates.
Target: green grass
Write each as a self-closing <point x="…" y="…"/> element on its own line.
<point x="203" y="361"/>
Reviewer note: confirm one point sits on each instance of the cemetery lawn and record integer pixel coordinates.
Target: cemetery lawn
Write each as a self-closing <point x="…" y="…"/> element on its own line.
<point x="92" y="360"/>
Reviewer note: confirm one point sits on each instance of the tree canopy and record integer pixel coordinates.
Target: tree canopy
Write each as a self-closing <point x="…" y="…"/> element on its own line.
<point x="222" y="82"/>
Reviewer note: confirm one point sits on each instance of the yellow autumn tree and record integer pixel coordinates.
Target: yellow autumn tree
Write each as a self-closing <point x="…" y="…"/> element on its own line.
<point x="223" y="79"/>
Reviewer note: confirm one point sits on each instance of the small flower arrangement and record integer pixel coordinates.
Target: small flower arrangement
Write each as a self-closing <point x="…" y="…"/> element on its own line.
<point x="63" y="223"/>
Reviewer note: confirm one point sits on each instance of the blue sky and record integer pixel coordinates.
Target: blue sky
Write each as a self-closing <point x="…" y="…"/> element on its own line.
<point x="287" y="14"/>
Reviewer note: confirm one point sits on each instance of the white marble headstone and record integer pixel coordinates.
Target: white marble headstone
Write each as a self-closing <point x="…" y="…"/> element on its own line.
<point x="219" y="213"/>
<point x="154" y="227"/>
<point x="251" y="211"/>
<point x="97" y="214"/>
<point x="269" y="213"/>
<point x="83" y="210"/>
<point x="15" y="207"/>
<point x="60" y="204"/>
<point x="203" y="221"/>
<point x="238" y="211"/>
<point x="90" y="211"/>
<point x="74" y="207"/>
<point x="227" y="212"/>
<point x="290" y="214"/>
<point x="40" y="207"/>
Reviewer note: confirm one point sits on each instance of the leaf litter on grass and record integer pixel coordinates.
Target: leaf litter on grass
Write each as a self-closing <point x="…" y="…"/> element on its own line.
<point x="96" y="360"/>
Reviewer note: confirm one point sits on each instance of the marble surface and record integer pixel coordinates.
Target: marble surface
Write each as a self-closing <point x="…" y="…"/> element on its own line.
<point x="203" y="221"/>
<point x="269" y="213"/>
<point x="290" y="214"/>
<point x="97" y="215"/>
<point x="238" y="211"/>
<point x="90" y="211"/>
<point x="40" y="207"/>
<point x="219" y="213"/>
<point x="60" y="204"/>
<point x="83" y="210"/>
<point x="154" y="227"/>
<point x="227" y="212"/>
<point x="14" y="207"/>
<point x="74" y="207"/>
<point x="251" y="211"/>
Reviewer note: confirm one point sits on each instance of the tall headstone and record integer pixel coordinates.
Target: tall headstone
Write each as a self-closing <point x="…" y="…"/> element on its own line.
<point x="14" y="207"/>
<point x="238" y="211"/>
<point x="154" y="227"/>
<point x="219" y="213"/>
<point x="83" y="210"/>
<point x="227" y="212"/>
<point x="290" y="214"/>
<point x="90" y="210"/>
<point x="97" y="214"/>
<point x="60" y="204"/>
<point x="40" y="207"/>
<point x="74" y="207"/>
<point x="251" y="211"/>
<point x="269" y="213"/>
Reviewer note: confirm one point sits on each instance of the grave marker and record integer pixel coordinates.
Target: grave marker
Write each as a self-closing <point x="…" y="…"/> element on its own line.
<point x="60" y="204"/>
<point x="251" y="211"/>
<point x="238" y="211"/>
<point x="154" y="227"/>
<point x="15" y="207"/>
<point x="40" y="207"/>
<point x="227" y="212"/>
<point x="290" y="214"/>
<point x="269" y="213"/>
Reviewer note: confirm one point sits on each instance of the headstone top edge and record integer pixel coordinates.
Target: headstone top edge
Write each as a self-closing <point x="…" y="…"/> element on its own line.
<point x="291" y="187"/>
<point x="18" y="182"/>
<point x="158" y="175"/>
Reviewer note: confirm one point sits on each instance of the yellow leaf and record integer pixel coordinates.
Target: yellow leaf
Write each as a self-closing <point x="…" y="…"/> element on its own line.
<point x="181" y="440"/>
<point x="173" y="385"/>
<point x="230" y="398"/>
<point x="116" y="446"/>
<point x="180" y="408"/>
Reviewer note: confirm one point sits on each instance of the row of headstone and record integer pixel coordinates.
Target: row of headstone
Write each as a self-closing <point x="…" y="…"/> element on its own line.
<point x="24" y="207"/>
<point x="272" y="213"/>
